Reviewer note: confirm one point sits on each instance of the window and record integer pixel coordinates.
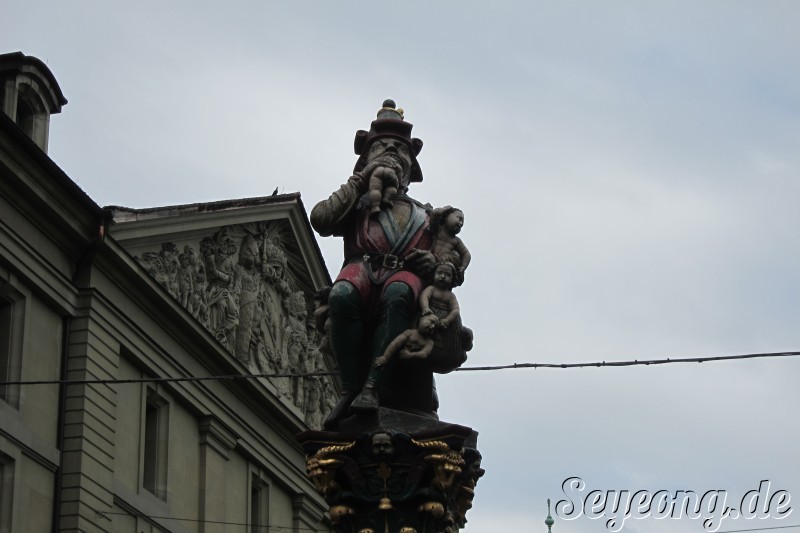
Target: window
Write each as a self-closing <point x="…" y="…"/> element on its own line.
<point x="6" y="492"/>
<point x="25" y="116"/>
<point x="12" y="313"/>
<point x="156" y="444"/>
<point x="259" y="505"/>
<point x="32" y="115"/>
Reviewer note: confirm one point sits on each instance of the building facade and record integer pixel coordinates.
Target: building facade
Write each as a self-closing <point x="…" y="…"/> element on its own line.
<point x="116" y="326"/>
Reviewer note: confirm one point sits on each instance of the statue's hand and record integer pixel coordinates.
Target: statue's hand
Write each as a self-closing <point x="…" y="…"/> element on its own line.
<point x="380" y="361"/>
<point x="420" y="262"/>
<point x="361" y="181"/>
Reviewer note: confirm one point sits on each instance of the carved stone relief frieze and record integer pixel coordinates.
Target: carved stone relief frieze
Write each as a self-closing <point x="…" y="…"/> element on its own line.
<point x="247" y="284"/>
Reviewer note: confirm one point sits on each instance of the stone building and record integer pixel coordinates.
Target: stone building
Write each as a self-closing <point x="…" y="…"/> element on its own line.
<point x="125" y="319"/>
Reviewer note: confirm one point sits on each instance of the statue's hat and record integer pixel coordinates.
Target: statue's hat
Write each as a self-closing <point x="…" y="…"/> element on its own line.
<point x="389" y="123"/>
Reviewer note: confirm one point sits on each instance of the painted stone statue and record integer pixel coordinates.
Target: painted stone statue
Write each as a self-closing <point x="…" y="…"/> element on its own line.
<point x="446" y="224"/>
<point x="390" y="254"/>
<point x="412" y="343"/>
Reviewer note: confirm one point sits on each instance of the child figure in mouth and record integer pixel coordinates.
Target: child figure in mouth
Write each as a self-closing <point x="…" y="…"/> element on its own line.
<point x="382" y="188"/>
<point x="438" y="299"/>
<point x="412" y="343"/>
<point x="446" y="224"/>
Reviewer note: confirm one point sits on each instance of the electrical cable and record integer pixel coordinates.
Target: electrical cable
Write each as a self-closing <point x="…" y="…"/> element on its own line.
<point x="232" y="377"/>
<point x="635" y="362"/>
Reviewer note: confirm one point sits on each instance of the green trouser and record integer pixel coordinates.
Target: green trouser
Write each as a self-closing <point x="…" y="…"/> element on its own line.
<point x="349" y="319"/>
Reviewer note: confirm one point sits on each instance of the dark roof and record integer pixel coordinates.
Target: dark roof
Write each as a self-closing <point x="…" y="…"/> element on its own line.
<point x="17" y="62"/>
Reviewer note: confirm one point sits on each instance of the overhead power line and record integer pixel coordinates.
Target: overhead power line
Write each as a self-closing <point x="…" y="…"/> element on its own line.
<point x="230" y="377"/>
<point x="234" y="377"/>
<point x="634" y="362"/>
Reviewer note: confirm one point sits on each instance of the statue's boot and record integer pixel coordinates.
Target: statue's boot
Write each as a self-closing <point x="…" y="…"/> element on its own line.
<point x="366" y="401"/>
<point x="339" y="411"/>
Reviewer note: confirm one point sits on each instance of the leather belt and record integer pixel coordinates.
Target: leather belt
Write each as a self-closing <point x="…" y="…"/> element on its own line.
<point x="378" y="261"/>
<point x="389" y="261"/>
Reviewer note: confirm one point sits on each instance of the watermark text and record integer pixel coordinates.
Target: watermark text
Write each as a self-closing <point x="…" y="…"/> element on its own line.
<point x="711" y="506"/>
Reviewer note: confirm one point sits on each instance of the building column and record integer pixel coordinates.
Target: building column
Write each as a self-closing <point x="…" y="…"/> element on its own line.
<point x="90" y="419"/>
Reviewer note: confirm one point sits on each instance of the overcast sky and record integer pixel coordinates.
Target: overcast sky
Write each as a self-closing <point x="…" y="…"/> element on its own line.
<point x="629" y="173"/>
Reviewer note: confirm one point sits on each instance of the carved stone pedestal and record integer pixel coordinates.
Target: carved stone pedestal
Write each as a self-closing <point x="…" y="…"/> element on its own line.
<point x="394" y="472"/>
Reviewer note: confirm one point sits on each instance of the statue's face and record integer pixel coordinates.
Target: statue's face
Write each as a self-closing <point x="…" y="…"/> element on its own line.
<point x="443" y="276"/>
<point x="454" y="222"/>
<point x="228" y="247"/>
<point x="277" y="266"/>
<point x="248" y="254"/>
<point x="475" y="468"/>
<point x="388" y="145"/>
<point x="382" y="445"/>
<point x="394" y="149"/>
<point x="427" y="324"/>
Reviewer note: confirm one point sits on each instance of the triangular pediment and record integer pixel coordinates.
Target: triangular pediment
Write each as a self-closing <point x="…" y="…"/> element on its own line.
<point x="247" y="271"/>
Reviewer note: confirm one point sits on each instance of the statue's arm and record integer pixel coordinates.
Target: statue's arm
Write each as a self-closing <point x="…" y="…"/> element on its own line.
<point x="392" y="349"/>
<point x="466" y="257"/>
<point x="327" y="215"/>
<point x="424" y="300"/>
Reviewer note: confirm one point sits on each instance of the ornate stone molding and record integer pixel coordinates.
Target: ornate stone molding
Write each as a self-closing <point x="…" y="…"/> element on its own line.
<point x="249" y="286"/>
<point x="418" y="480"/>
